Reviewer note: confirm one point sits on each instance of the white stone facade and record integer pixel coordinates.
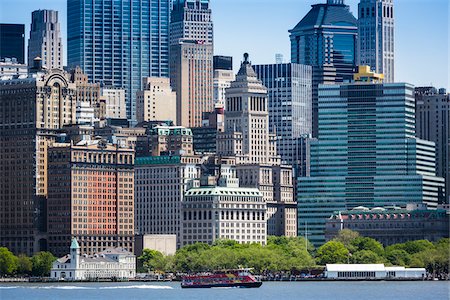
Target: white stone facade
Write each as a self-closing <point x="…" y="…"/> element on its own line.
<point x="115" y="105"/>
<point x="157" y="101"/>
<point x="160" y="185"/>
<point x="226" y="211"/>
<point x="109" y="264"/>
<point x="247" y="138"/>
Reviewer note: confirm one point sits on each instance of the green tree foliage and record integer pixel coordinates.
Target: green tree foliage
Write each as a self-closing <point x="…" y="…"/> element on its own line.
<point x="332" y="252"/>
<point x="398" y="257"/>
<point x="42" y="263"/>
<point x="24" y="265"/>
<point x="152" y="260"/>
<point x="280" y="254"/>
<point x="8" y="262"/>
<point x="366" y="257"/>
<point x="346" y="237"/>
<point x="365" y="243"/>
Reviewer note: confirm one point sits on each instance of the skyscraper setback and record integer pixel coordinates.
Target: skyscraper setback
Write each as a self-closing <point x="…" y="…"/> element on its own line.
<point x="376" y="36"/>
<point x="118" y="43"/>
<point x="366" y="155"/>
<point x="326" y="39"/>
<point x="191" y="60"/>
<point x="45" y="39"/>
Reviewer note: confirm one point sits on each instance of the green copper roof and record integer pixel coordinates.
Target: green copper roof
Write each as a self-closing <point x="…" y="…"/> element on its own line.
<point x="157" y="160"/>
<point x="74" y="244"/>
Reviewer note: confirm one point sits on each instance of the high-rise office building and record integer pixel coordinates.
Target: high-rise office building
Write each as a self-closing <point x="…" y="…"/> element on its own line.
<point x="12" y="42"/>
<point x="45" y="39"/>
<point x="376" y="36"/>
<point x="433" y="124"/>
<point x="326" y="39"/>
<point x="90" y="197"/>
<point x="117" y="43"/>
<point x="191" y="60"/>
<point x="366" y="155"/>
<point x="289" y="88"/>
<point x="247" y="137"/>
<point x="223" y="76"/>
<point x="33" y="109"/>
<point x="157" y="101"/>
<point x="160" y="185"/>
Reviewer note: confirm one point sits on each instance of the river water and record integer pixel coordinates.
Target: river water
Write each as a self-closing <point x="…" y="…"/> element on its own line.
<point x="432" y="290"/>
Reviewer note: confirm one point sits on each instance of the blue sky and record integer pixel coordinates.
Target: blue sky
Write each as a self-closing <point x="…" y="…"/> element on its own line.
<point x="260" y="27"/>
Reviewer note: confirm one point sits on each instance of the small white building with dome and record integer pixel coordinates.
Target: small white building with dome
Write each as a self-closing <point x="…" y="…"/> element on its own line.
<point x="113" y="263"/>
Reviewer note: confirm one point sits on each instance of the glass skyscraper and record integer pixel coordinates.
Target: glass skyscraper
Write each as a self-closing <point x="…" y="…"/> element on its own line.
<point x="366" y="155"/>
<point x="118" y="42"/>
<point x="326" y="38"/>
<point x="290" y="97"/>
<point x="376" y="36"/>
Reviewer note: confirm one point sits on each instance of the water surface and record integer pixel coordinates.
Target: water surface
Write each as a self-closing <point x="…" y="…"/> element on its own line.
<point x="432" y="290"/>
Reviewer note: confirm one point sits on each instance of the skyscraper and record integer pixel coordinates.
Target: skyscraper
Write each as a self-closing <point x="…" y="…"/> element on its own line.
<point x="433" y="124"/>
<point x="247" y="137"/>
<point x="118" y="43"/>
<point x="33" y="109"/>
<point x="101" y="216"/>
<point x="376" y="36"/>
<point x="326" y="39"/>
<point x="366" y="154"/>
<point x="12" y="42"/>
<point x="191" y="60"/>
<point x="289" y="89"/>
<point x="223" y="76"/>
<point x="45" y="39"/>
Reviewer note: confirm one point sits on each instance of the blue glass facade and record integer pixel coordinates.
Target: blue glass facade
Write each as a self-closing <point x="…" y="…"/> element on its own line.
<point x="366" y="155"/>
<point x="118" y="42"/>
<point x="326" y="38"/>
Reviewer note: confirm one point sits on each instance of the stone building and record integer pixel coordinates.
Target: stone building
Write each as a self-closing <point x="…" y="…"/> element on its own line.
<point x="90" y="197"/>
<point x="191" y="60"/>
<point x="391" y="225"/>
<point x="156" y="101"/>
<point x="113" y="263"/>
<point x="160" y="185"/>
<point x="46" y="39"/>
<point x="165" y="140"/>
<point x="246" y="137"/>
<point x="32" y="110"/>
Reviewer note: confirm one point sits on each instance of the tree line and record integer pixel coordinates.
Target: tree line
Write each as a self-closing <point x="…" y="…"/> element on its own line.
<point x="38" y="265"/>
<point x="283" y="254"/>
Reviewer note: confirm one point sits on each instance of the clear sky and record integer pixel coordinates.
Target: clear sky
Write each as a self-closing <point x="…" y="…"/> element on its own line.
<point x="260" y="27"/>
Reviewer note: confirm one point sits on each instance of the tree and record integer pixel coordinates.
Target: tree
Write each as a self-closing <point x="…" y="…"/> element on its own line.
<point x="8" y="262"/>
<point x="366" y="243"/>
<point x="152" y="260"/>
<point x="417" y="246"/>
<point x="366" y="257"/>
<point x="24" y="265"/>
<point x="332" y="253"/>
<point x="346" y="237"/>
<point x="398" y="257"/>
<point x="42" y="263"/>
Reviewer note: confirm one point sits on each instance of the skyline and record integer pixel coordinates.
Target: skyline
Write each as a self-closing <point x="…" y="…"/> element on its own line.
<point x="416" y="62"/>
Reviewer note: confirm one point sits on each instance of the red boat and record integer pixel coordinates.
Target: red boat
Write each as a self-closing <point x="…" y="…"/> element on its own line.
<point x="229" y="278"/>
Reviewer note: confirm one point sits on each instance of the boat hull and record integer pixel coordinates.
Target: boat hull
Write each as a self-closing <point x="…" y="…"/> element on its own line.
<point x="256" y="284"/>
